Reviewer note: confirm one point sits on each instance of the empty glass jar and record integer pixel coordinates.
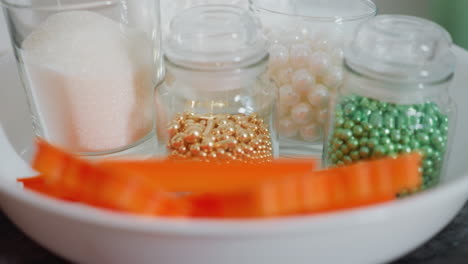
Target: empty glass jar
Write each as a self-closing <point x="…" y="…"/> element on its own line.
<point x="89" y="69"/>
<point x="216" y="103"/>
<point x="307" y="39"/>
<point x="395" y="97"/>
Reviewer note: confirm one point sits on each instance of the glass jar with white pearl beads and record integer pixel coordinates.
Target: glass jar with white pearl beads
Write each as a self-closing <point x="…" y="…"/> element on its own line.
<point x="307" y="39"/>
<point x="216" y="102"/>
<point x="395" y="96"/>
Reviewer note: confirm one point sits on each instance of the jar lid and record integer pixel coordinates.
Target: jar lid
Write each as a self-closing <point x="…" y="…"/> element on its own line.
<point x="400" y="48"/>
<point x="215" y="37"/>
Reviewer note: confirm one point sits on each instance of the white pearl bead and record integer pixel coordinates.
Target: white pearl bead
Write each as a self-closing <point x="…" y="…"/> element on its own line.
<point x="319" y="62"/>
<point x="283" y="76"/>
<point x="279" y="56"/>
<point x="318" y="97"/>
<point x="299" y="55"/>
<point x="334" y="77"/>
<point x="302" y="113"/>
<point x="303" y="81"/>
<point x="311" y="132"/>
<point x="288" y="128"/>
<point x="287" y="96"/>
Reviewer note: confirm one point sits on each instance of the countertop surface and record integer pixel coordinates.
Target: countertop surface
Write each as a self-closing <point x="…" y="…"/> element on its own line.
<point x="450" y="246"/>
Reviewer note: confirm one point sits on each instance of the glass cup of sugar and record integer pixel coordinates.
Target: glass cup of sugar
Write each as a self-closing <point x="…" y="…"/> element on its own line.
<point x="89" y="69"/>
<point x="307" y="38"/>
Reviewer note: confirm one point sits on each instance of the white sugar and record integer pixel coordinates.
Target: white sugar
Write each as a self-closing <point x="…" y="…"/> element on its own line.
<point x="91" y="81"/>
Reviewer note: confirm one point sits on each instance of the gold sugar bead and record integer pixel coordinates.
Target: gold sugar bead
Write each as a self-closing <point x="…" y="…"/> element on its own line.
<point x="222" y="122"/>
<point x="192" y="135"/>
<point x="195" y="149"/>
<point x="207" y="145"/>
<point x="173" y="129"/>
<point x="177" y="141"/>
<point x="244" y="136"/>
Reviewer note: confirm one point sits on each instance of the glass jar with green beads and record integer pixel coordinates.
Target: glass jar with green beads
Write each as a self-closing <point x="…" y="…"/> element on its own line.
<point x="395" y="96"/>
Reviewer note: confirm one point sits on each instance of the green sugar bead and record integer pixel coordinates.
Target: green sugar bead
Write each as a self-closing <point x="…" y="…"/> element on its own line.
<point x="391" y="149"/>
<point x="383" y="105"/>
<point x="427" y="151"/>
<point x="367" y="126"/>
<point x="358" y="130"/>
<point x="339" y="154"/>
<point x="339" y="121"/>
<point x="379" y="151"/>
<point x="429" y="173"/>
<point x="346" y="134"/>
<point x="355" y="155"/>
<point x="348" y="124"/>
<point x="438" y="142"/>
<point x="431" y="108"/>
<point x="389" y="121"/>
<point x="413" y="122"/>
<point x="423" y="138"/>
<point x="366" y="112"/>
<point x="339" y="112"/>
<point x="364" y="152"/>
<point x="406" y="149"/>
<point x="353" y="143"/>
<point x="345" y="149"/>
<point x="385" y="132"/>
<point x="399" y="147"/>
<point x="375" y="119"/>
<point x="414" y="144"/>
<point x="401" y="122"/>
<point x="374" y="133"/>
<point x="444" y="120"/>
<point x="337" y="143"/>
<point x="395" y="135"/>
<point x="444" y="129"/>
<point x="363" y="141"/>
<point x="333" y="158"/>
<point x="385" y="140"/>
<point x="357" y="116"/>
<point x="349" y="108"/>
<point x="347" y="160"/>
<point x="428" y="122"/>
<point x="430" y="130"/>
<point x="373" y="106"/>
<point x="340" y="163"/>
<point x="372" y="143"/>
<point x="427" y="163"/>
<point x="406" y="132"/>
<point x="364" y="102"/>
<point x="393" y="111"/>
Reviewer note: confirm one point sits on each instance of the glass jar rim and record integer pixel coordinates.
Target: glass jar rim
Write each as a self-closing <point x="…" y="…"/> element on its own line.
<point x="51" y="7"/>
<point x="200" y="69"/>
<point x="392" y="81"/>
<point x="368" y="3"/>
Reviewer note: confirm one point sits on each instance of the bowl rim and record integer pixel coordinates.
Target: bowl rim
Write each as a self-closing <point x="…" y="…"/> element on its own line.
<point x="231" y="228"/>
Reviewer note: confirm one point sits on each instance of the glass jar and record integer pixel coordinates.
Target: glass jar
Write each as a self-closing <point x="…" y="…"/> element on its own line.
<point x="216" y="103"/>
<point x="307" y="39"/>
<point x="89" y="69"/>
<point x="394" y="98"/>
<point x="170" y="8"/>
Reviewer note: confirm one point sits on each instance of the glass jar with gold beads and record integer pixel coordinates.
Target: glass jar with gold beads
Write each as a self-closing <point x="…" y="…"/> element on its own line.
<point x="216" y="102"/>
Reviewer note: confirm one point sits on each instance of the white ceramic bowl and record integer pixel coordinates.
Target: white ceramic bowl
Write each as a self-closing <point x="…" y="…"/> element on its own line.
<point x="82" y="234"/>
